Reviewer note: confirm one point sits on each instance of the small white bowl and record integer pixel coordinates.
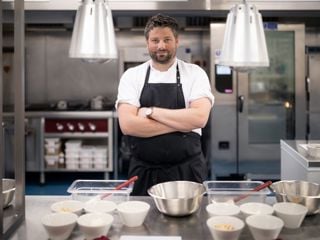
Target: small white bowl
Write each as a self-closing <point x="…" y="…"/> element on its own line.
<point x="225" y="227"/>
<point x="94" y="225"/>
<point x="222" y="209"/>
<point x="59" y="226"/>
<point x="264" y="227"/>
<point x="133" y="213"/>
<point x="72" y="206"/>
<point x="254" y="208"/>
<point x="100" y="206"/>
<point x="292" y="214"/>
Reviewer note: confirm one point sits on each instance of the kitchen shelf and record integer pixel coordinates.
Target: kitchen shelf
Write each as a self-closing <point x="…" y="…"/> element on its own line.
<point x="77" y="170"/>
<point x="102" y="136"/>
<point x="76" y="135"/>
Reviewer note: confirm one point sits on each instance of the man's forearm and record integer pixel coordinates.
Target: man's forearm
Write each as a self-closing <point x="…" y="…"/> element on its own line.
<point x="185" y="119"/>
<point x="136" y="124"/>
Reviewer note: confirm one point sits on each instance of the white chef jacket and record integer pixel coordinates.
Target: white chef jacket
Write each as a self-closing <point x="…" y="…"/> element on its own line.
<point x="194" y="80"/>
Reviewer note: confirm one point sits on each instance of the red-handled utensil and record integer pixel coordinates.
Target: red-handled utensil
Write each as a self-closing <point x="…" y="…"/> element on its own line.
<point x="256" y="189"/>
<point x="122" y="185"/>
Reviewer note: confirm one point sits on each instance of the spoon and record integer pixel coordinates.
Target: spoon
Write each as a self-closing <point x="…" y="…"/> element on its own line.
<point x="256" y="189"/>
<point x="120" y="186"/>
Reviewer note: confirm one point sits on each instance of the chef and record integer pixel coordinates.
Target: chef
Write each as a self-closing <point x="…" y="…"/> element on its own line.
<point x="162" y="105"/>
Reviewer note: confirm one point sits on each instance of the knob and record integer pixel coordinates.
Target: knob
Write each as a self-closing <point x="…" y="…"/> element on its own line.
<point x="59" y="126"/>
<point x="81" y="127"/>
<point x="70" y="126"/>
<point x="92" y="126"/>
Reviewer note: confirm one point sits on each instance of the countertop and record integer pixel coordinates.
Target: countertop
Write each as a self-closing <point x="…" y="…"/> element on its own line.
<point x="156" y="224"/>
<point x="296" y="148"/>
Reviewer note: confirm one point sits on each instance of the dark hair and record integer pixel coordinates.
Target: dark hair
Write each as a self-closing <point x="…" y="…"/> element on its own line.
<point x="162" y="21"/>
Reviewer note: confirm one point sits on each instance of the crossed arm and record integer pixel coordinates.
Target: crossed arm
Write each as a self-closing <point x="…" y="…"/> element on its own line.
<point x="133" y="121"/>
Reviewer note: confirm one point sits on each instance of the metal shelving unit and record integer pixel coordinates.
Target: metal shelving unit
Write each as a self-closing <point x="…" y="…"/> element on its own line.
<point x="101" y="137"/>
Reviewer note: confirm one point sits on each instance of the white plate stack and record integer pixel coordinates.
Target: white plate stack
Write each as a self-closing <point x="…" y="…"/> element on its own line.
<point x="72" y="153"/>
<point x="86" y="155"/>
<point x="52" y="149"/>
<point x="100" y="157"/>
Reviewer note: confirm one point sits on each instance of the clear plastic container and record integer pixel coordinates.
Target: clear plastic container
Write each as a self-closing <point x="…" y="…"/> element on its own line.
<point x="52" y="149"/>
<point x="52" y="141"/>
<point x="85" y="164"/>
<point x="237" y="192"/>
<point x="51" y="161"/>
<point x="100" y="151"/>
<point x="71" y="144"/>
<point x="85" y="190"/>
<point x="72" y="164"/>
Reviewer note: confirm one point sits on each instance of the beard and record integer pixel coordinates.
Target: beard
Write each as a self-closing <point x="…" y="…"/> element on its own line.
<point x="162" y="57"/>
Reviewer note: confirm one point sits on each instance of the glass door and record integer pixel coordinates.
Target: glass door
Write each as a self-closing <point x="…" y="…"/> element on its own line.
<point x="266" y="103"/>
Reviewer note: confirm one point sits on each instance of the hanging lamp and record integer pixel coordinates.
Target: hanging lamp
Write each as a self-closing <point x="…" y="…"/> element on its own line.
<point x="244" y="45"/>
<point x="93" y="36"/>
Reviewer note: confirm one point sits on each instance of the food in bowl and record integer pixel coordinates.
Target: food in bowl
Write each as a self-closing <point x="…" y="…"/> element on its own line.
<point x="292" y="214"/>
<point x="222" y="209"/>
<point x="253" y="208"/>
<point x="59" y="226"/>
<point x="301" y="192"/>
<point x="72" y="206"/>
<point x="94" y="225"/>
<point x="225" y="227"/>
<point x="102" y="206"/>
<point x="177" y="198"/>
<point x="264" y="227"/>
<point x="133" y="213"/>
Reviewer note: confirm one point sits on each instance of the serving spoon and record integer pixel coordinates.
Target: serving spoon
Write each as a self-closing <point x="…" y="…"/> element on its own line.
<point x="120" y="186"/>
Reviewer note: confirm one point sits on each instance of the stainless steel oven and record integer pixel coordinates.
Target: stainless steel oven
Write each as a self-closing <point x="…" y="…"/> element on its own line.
<point x="254" y="110"/>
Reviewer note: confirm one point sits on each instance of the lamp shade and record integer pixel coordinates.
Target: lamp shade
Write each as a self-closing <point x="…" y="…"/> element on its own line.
<point x="244" y="44"/>
<point x="93" y="37"/>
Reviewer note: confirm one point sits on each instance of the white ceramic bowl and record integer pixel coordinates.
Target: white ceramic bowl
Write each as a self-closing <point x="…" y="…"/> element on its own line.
<point x="59" y="226"/>
<point x="225" y="227"/>
<point x="264" y="227"/>
<point x="94" y="225"/>
<point x="292" y="214"/>
<point x="100" y="206"/>
<point x="222" y="209"/>
<point x="133" y="213"/>
<point x="254" y="208"/>
<point x="72" y="206"/>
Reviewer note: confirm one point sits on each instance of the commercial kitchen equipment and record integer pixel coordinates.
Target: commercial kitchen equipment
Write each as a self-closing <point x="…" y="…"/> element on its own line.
<point x="313" y="92"/>
<point x="296" y="163"/>
<point x="94" y="129"/>
<point x="13" y="216"/>
<point x="254" y="110"/>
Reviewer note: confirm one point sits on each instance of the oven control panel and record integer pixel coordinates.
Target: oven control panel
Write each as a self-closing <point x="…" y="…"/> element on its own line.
<point x="76" y="125"/>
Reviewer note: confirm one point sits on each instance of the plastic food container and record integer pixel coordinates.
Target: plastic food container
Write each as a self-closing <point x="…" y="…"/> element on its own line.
<point x="237" y="192"/>
<point x="85" y="190"/>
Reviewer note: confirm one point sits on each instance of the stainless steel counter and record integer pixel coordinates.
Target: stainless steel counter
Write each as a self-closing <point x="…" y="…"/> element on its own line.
<point x="296" y="163"/>
<point x="156" y="224"/>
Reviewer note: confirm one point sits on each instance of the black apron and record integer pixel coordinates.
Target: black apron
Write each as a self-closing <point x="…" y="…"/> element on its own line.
<point x="168" y="157"/>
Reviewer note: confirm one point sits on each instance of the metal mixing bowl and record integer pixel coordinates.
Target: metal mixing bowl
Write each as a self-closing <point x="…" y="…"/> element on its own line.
<point x="177" y="198"/>
<point x="302" y="192"/>
<point x="8" y="189"/>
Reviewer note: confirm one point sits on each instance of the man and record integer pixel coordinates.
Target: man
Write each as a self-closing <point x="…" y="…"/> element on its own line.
<point x="162" y="105"/>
